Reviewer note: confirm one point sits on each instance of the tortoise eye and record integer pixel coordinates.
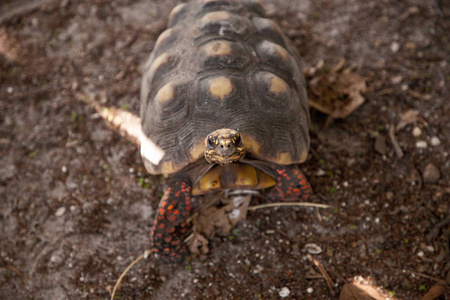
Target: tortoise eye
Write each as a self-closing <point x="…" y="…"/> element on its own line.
<point x="211" y="141"/>
<point x="237" y="139"/>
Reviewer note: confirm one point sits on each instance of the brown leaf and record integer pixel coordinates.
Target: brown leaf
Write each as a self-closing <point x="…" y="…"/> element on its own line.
<point x="408" y="117"/>
<point x="437" y="290"/>
<point x="337" y="93"/>
<point x="358" y="291"/>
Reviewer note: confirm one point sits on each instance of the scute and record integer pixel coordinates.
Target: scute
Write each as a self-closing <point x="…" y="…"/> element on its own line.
<point x="222" y="64"/>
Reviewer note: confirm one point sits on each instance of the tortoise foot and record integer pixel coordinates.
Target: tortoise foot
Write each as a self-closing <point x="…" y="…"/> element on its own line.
<point x="291" y="185"/>
<point x="170" y="225"/>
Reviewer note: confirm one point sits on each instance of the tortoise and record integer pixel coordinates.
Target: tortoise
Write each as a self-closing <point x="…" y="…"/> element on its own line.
<point x="223" y="106"/>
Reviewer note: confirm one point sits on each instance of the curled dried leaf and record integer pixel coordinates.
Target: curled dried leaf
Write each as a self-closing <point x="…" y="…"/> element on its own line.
<point x="358" y="291"/>
<point x="337" y="93"/>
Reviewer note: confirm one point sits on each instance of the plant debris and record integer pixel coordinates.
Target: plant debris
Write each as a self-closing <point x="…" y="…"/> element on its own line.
<point x="358" y="291"/>
<point x="336" y="93"/>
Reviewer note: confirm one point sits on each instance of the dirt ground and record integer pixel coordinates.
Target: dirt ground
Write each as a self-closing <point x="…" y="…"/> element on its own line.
<point x="77" y="206"/>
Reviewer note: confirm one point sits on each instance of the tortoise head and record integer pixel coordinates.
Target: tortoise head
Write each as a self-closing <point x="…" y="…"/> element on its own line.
<point x="224" y="146"/>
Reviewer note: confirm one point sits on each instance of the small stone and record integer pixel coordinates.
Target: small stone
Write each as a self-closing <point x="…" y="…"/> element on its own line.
<point x="257" y="269"/>
<point x="396" y="79"/>
<point x="395" y="47"/>
<point x="435" y="141"/>
<point x="420" y="254"/>
<point x="60" y="211"/>
<point x="64" y="169"/>
<point x="10" y="90"/>
<point x="312" y="248"/>
<point x="417" y="132"/>
<point x="377" y="220"/>
<point x="320" y="172"/>
<point x="431" y="174"/>
<point x="284" y="292"/>
<point x="309" y="290"/>
<point x="380" y="145"/>
<point x="421" y="145"/>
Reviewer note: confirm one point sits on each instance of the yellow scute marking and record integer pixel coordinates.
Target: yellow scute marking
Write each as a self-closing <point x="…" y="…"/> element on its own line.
<point x="217" y="48"/>
<point x="159" y="61"/>
<point x="167" y="167"/>
<point x="214" y="17"/>
<point x="220" y="87"/>
<point x="277" y="85"/>
<point x="164" y="36"/>
<point x="165" y="94"/>
<point x="281" y="51"/>
<point x="176" y="9"/>
<point x="250" y="144"/>
<point x="197" y="150"/>
<point x="284" y="159"/>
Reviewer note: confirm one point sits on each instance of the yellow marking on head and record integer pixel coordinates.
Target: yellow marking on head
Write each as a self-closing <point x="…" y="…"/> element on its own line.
<point x="217" y="48"/>
<point x="214" y="17"/>
<point x="278" y="86"/>
<point x="165" y="94"/>
<point x="220" y="87"/>
<point x="159" y="61"/>
<point x="251" y="145"/>
<point x="284" y="158"/>
<point x="176" y="9"/>
<point x="167" y="33"/>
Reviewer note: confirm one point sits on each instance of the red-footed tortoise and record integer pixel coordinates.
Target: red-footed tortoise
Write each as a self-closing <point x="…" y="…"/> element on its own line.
<point x="224" y="106"/>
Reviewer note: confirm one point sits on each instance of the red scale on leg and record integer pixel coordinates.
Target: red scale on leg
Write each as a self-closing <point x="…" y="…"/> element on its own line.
<point x="170" y="221"/>
<point x="291" y="185"/>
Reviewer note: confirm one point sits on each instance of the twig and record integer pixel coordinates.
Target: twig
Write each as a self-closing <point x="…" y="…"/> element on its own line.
<point x="21" y="9"/>
<point x="322" y="270"/>
<point x="308" y="204"/>
<point x="394" y="141"/>
<point x="145" y="255"/>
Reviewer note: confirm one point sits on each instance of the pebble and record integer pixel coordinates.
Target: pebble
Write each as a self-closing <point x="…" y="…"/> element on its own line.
<point x="309" y="290"/>
<point x="64" y="169"/>
<point x="60" y="211"/>
<point x="320" y="172"/>
<point x="431" y="174"/>
<point x="435" y="141"/>
<point x="417" y="132"/>
<point x="421" y="144"/>
<point x="380" y="145"/>
<point x="420" y="253"/>
<point x="312" y="248"/>
<point x="10" y="90"/>
<point x="284" y="292"/>
<point x="395" y="47"/>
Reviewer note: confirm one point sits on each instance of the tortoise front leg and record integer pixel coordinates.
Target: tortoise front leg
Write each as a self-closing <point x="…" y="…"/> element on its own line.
<point x="171" y="218"/>
<point x="291" y="184"/>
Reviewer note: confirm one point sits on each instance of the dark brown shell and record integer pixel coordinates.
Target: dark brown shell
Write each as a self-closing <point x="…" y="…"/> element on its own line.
<point x="222" y="64"/>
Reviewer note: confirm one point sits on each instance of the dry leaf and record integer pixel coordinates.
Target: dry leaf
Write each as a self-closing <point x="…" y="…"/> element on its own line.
<point x="408" y="117"/>
<point x="358" y="291"/>
<point x="337" y="93"/>
<point x="437" y="290"/>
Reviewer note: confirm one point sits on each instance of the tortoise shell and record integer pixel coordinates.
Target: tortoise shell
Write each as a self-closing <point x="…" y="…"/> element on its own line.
<point x="222" y="64"/>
